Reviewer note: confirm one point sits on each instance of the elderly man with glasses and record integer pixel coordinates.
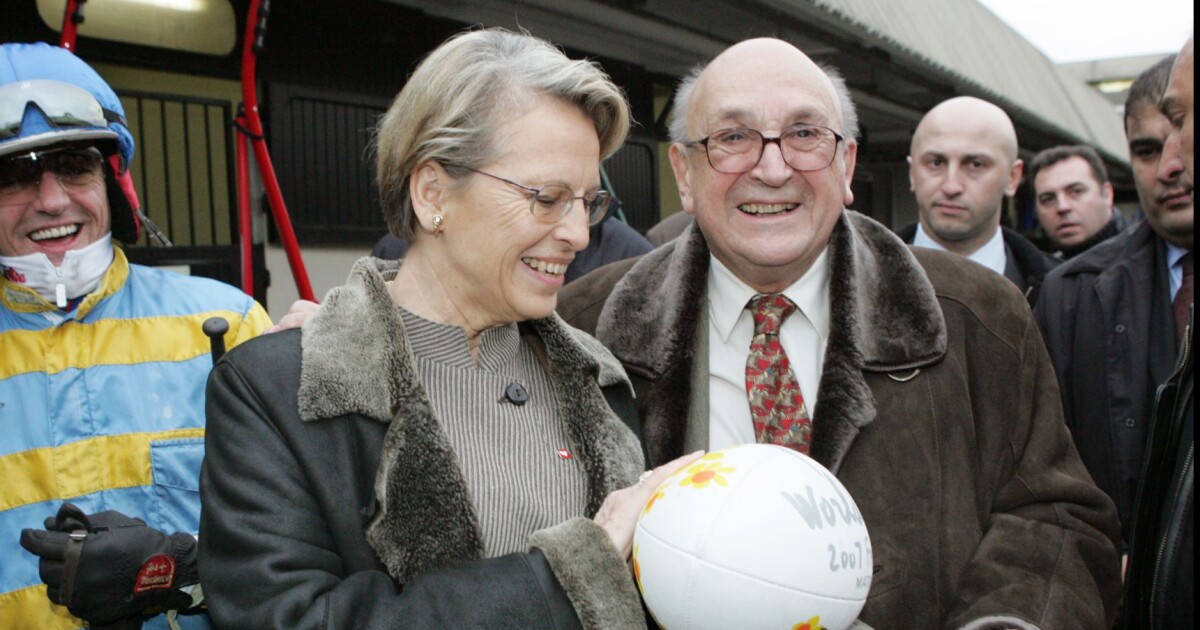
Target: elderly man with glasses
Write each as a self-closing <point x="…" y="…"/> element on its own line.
<point x="782" y="317"/>
<point x="103" y="366"/>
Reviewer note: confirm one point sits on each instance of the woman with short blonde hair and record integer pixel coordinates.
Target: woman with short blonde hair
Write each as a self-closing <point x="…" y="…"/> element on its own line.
<point x="435" y="448"/>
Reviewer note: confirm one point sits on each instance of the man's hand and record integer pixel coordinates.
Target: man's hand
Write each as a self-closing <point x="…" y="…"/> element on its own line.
<point x="107" y="567"/>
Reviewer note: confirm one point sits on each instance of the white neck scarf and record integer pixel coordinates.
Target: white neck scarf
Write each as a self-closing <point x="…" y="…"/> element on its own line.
<point x="79" y="274"/>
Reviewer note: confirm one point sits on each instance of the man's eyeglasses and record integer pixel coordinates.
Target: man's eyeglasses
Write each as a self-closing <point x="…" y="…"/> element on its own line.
<point x="552" y="202"/>
<point x="739" y="149"/>
<point x="21" y="175"/>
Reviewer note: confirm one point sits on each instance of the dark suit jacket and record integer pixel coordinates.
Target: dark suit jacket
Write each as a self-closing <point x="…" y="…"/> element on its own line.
<point x="1106" y="317"/>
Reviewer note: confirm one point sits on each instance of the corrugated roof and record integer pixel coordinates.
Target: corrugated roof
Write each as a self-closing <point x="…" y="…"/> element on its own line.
<point x="987" y="57"/>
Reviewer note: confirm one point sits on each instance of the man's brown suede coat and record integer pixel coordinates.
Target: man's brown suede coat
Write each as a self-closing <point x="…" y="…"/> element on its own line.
<point x="938" y="409"/>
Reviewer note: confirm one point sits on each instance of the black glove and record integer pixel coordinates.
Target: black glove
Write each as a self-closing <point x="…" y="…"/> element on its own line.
<point x="107" y="567"/>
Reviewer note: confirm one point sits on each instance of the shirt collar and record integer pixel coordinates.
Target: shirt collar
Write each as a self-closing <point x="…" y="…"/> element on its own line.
<point x="1174" y="253"/>
<point x="728" y="295"/>
<point x="991" y="255"/>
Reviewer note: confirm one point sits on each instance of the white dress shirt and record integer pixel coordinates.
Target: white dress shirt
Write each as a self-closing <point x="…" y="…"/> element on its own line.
<point x="991" y="255"/>
<point x="730" y="326"/>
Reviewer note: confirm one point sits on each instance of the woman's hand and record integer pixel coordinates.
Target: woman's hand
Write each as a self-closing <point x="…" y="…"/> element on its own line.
<point x="619" y="513"/>
<point x="295" y="317"/>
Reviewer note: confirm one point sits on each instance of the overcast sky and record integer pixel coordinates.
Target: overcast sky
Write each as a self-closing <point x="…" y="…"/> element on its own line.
<point x="1082" y="30"/>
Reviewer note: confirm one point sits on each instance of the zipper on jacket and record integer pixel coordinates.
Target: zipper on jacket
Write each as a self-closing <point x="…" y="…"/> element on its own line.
<point x="1184" y="357"/>
<point x="60" y="289"/>
<point x="1162" y="544"/>
<point x="1186" y="354"/>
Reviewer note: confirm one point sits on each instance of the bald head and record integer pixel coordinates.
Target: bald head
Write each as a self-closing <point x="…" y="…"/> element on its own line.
<point x="970" y="117"/>
<point x="770" y="60"/>
<point x="962" y="165"/>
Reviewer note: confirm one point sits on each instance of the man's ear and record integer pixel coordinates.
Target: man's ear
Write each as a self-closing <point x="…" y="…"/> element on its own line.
<point x="849" y="161"/>
<point x="1014" y="178"/>
<point x="679" y="164"/>
<point x="912" y="182"/>
<point x="428" y="187"/>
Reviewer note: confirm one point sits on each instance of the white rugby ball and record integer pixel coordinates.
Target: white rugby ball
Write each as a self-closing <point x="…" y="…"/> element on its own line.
<point x="754" y="536"/>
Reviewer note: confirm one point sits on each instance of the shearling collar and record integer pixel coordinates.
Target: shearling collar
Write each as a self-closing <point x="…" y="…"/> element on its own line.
<point x="885" y="317"/>
<point x="878" y="287"/>
<point x="356" y="361"/>
<point x="354" y="345"/>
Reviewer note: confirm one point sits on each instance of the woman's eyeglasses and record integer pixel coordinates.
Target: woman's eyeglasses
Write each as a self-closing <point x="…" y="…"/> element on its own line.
<point x="552" y="202"/>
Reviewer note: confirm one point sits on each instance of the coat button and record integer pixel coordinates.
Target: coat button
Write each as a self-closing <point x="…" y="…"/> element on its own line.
<point x="1129" y="422"/>
<point x="1120" y="328"/>
<point x="515" y="393"/>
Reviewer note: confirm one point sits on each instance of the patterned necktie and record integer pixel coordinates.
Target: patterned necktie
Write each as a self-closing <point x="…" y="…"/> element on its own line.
<point x="1183" y="299"/>
<point x="776" y="404"/>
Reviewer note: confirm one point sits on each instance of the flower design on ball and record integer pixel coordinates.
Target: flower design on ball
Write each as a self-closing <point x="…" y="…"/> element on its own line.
<point x="658" y="494"/>
<point x="708" y="470"/>
<point x="811" y="624"/>
<point x="637" y="569"/>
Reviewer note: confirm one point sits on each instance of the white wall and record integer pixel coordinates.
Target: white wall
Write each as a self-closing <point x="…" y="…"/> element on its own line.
<point x="327" y="268"/>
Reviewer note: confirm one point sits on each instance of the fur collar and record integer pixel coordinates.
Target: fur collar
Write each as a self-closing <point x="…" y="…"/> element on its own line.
<point x="356" y="361"/>
<point x="885" y="317"/>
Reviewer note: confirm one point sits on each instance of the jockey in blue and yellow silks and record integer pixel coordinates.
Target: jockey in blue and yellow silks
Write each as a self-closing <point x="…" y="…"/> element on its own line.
<point x="102" y="365"/>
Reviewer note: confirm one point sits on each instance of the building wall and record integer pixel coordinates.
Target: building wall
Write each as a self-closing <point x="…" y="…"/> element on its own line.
<point x="327" y="267"/>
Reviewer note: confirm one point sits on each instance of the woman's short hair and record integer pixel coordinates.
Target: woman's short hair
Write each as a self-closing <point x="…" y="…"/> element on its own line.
<point x="454" y="106"/>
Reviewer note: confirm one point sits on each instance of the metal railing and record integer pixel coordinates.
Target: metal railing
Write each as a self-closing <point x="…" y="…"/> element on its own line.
<point x="183" y="170"/>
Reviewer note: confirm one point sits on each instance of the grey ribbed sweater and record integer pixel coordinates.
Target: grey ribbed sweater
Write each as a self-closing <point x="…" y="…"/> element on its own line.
<point x="518" y="465"/>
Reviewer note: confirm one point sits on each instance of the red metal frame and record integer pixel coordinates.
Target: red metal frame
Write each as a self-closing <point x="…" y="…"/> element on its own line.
<point x="72" y="17"/>
<point x="245" y="228"/>
<point x="252" y="130"/>
<point x="249" y="130"/>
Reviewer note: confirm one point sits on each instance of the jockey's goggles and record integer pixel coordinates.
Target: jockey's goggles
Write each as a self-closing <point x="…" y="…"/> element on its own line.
<point x="62" y="104"/>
